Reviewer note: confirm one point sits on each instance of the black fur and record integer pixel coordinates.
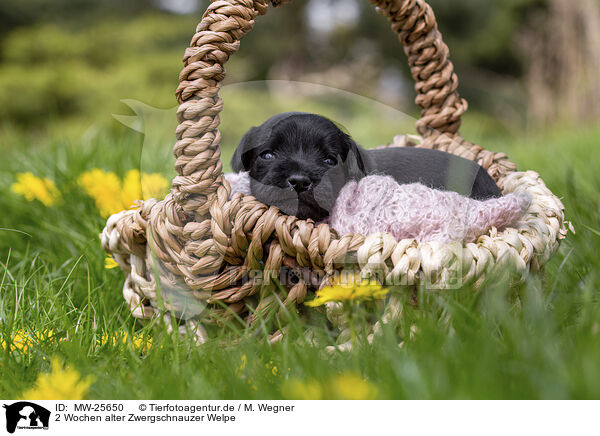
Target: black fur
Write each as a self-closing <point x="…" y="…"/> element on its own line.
<point x="299" y="162"/>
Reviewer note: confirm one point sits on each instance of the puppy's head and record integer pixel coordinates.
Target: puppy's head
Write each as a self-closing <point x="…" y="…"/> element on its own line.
<point x="298" y="162"/>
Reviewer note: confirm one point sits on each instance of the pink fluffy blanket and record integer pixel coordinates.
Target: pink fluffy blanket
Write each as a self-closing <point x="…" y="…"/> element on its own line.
<point x="379" y="204"/>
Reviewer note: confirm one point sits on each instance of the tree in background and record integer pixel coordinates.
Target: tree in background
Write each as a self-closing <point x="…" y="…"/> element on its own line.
<point x="561" y="50"/>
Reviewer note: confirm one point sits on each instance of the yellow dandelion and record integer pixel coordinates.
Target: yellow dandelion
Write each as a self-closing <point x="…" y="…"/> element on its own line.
<point x="35" y="188"/>
<point x="141" y="342"/>
<point x="60" y="384"/>
<point x="350" y="386"/>
<point x="20" y="341"/>
<point x="110" y="263"/>
<point x="112" y="196"/>
<point x="138" y="341"/>
<point x="43" y="335"/>
<point x="132" y="189"/>
<point x="113" y="339"/>
<point x="138" y="186"/>
<point x="104" y="188"/>
<point x="154" y="186"/>
<point x="364" y="290"/>
<point x="302" y="390"/>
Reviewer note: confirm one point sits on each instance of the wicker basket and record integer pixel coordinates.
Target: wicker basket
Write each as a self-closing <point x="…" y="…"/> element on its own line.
<point x="197" y="252"/>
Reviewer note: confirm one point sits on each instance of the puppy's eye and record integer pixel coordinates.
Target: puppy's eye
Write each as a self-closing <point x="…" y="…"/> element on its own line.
<point x="267" y="155"/>
<point x="330" y="160"/>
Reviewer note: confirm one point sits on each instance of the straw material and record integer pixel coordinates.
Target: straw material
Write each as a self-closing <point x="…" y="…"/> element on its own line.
<point x="220" y="256"/>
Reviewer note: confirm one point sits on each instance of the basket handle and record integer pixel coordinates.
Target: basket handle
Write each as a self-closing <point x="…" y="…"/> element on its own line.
<point x="217" y="37"/>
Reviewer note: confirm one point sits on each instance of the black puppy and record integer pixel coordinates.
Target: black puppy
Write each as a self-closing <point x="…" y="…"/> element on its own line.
<point x="299" y="162"/>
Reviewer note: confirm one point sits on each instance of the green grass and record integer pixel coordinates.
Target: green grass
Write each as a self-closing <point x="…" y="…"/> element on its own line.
<point x="540" y="340"/>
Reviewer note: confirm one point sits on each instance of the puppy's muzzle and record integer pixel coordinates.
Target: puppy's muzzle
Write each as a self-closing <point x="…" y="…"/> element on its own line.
<point x="299" y="183"/>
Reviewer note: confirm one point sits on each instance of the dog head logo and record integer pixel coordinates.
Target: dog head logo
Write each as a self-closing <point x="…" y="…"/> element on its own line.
<point x="26" y="415"/>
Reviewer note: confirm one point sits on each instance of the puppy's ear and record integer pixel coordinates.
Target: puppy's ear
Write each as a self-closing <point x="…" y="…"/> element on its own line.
<point x="242" y="158"/>
<point x="355" y="159"/>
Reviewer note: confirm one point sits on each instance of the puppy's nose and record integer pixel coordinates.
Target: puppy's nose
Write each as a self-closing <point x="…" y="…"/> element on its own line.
<point x="299" y="183"/>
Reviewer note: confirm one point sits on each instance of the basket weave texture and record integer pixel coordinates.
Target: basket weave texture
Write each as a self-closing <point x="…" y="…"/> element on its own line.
<point x="202" y="246"/>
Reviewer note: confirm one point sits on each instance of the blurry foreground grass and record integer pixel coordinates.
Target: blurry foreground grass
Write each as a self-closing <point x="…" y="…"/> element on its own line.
<point x="541" y="340"/>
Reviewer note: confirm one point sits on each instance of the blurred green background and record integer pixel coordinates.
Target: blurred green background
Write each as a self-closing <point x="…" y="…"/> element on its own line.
<point x="65" y="65"/>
